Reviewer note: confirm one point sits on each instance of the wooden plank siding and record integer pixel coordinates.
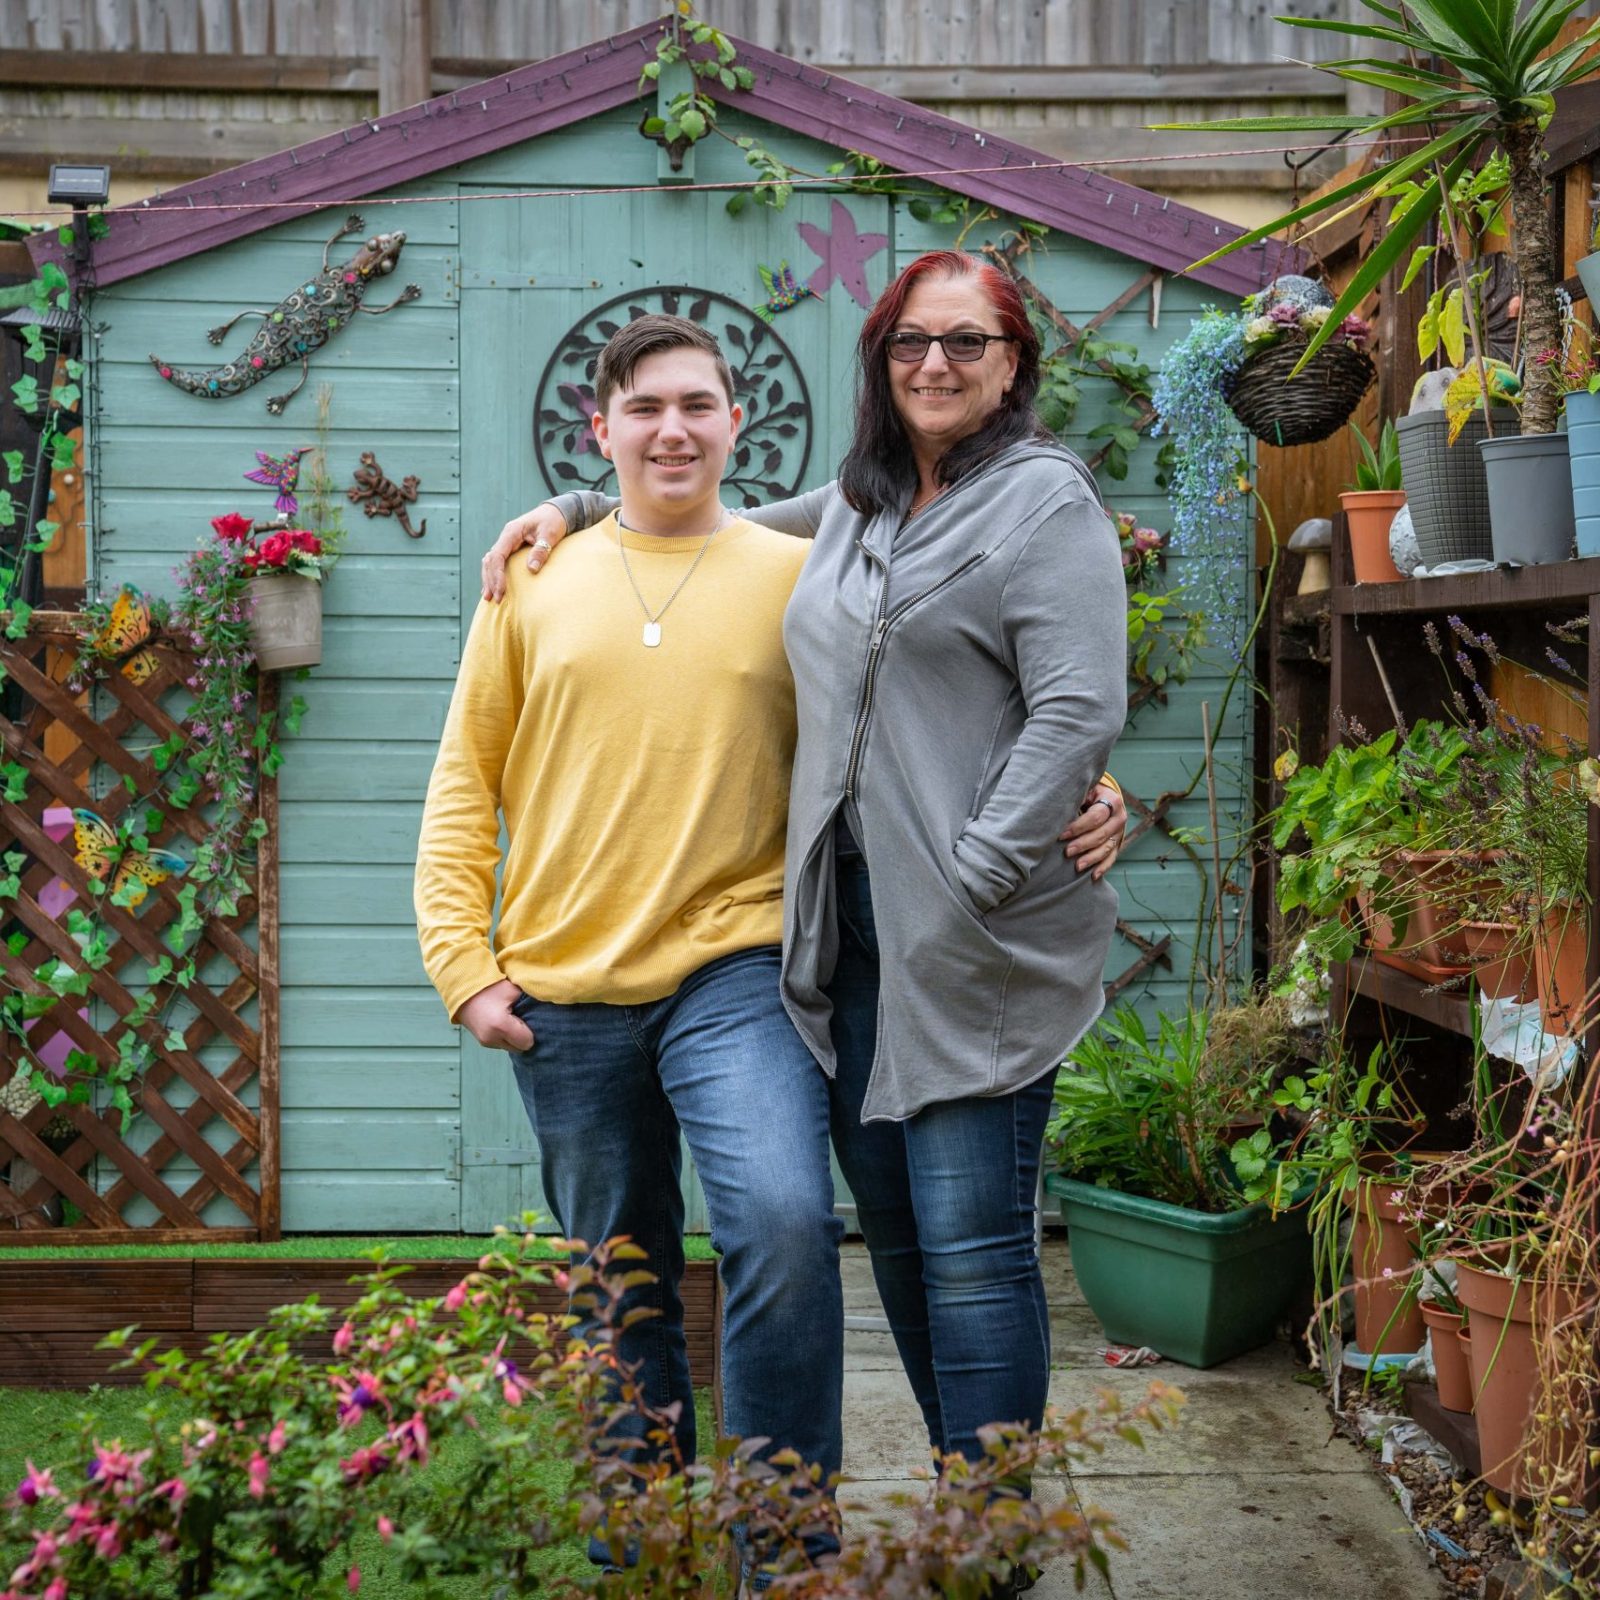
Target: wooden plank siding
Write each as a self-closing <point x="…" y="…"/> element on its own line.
<point x="832" y="33"/>
<point x="379" y="1095"/>
<point x="371" y="1097"/>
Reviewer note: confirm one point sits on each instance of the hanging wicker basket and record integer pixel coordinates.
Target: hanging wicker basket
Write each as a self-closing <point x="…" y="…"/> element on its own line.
<point x="1281" y="410"/>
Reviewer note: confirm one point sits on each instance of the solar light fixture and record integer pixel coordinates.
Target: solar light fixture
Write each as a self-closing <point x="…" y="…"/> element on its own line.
<point x="79" y="186"/>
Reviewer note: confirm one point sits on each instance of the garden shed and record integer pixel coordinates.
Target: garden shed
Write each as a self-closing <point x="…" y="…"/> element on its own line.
<point x="535" y="214"/>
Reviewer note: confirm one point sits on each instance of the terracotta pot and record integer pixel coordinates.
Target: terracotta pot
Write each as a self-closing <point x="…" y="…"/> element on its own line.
<point x="1450" y="1368"/>
<point x="1383" y="1262"/>
<point x="1379" y="928"/>
<point x="1505" y="1365"/>
<point x="1502" y="959"/>
<point x="1560" y="956"/>
<point x="1368" y="513"/>
<point x="285" y="620"/>
<point x="1464" y="1344"/>
<point x="1446" y="881"/>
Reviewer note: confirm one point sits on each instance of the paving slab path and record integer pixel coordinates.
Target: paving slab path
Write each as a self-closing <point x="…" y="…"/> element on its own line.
<point x="1251" y="1497"/>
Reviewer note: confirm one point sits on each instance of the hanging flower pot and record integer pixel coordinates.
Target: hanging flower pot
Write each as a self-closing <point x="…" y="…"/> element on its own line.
<point x="1282" y="410"/>
<point x="285" y="621"/>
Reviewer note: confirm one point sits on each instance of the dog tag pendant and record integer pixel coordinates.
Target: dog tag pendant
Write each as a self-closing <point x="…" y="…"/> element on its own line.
<point x="652" y="634"/>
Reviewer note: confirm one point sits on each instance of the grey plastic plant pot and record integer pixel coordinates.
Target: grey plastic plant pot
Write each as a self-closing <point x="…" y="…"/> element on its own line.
<point x="1445" y="483"/>
<point x="1583" y="444"/>
<point x="1530" y="498"/>
<point x="1200" y="1289"/>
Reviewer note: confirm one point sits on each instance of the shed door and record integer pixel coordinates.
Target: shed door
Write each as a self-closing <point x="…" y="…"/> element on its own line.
<point x="542" y="284"/>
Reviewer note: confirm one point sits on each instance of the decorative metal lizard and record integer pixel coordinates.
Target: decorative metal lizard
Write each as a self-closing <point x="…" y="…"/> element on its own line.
<point x="383" y="497"/>
<point x="300" y="323"/>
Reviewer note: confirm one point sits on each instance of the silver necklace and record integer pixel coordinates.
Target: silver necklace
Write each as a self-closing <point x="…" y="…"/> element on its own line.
<point x="652" y="624"/>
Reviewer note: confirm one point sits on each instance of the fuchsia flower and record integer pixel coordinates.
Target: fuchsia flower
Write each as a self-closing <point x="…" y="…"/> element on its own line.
<point x="353" y="1582"/>
<point x="385" y="1529"/>
<point x="259" y="1471"/>
<point x="342" y="1339"/>
<point x="276" y="1439"/>
<point x="36" y="1486"/>
<point x="367" y="1462"/>
<point x="456" y="1298"/>
<point x="412" y="1439"/>
<point x="510" y="1384"/>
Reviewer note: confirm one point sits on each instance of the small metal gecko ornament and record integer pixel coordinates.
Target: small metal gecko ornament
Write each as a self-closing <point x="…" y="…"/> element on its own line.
<point x="300" y="323"/>
<point x="383" y="497"/>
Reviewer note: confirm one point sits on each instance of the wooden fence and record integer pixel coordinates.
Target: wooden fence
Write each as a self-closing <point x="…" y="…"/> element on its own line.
<point x="196" y="1158"/>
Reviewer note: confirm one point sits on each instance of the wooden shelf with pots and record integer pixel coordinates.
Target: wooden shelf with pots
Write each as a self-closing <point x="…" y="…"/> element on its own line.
<point x="1380" y="665"/>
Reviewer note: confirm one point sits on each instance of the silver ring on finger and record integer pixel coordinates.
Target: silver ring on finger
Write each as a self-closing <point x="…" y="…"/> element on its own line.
<point x="541" y="548"/>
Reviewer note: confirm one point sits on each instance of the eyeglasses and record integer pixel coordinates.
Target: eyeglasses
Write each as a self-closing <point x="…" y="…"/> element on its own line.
<point x="908" y="346"/>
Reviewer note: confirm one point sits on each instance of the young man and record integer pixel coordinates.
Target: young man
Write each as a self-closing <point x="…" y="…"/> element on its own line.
<point x="630" y="715"/>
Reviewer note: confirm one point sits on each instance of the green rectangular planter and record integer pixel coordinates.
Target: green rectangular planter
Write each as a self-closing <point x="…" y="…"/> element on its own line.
<point x="1200" y="1289"/>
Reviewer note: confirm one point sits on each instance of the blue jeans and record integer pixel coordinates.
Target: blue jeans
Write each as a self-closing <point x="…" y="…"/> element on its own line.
<point x="607" y="1089"/>
<point x="945" y="1201"/>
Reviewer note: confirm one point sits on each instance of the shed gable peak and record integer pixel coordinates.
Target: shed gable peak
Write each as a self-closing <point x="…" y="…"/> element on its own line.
<point x="542" y="97"/>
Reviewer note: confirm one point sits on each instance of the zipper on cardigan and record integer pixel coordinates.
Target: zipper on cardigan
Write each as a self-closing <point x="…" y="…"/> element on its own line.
<point x="879" y="629"/>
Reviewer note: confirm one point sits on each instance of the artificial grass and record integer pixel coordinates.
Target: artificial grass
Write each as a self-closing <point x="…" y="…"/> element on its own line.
<point x="314" y="1247"/>
<point x="43" y="1425"/>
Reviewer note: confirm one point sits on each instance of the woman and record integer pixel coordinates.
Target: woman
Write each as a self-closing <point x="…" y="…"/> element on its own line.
<point x="958" y="644"/>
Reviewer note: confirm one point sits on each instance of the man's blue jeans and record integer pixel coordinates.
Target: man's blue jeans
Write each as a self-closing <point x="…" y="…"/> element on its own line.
<point x="608" y="1089"/>
<point x="945" y="1201"/>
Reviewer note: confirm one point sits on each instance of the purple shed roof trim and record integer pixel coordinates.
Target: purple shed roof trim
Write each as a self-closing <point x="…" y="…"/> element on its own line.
<point x="540" y="98"/>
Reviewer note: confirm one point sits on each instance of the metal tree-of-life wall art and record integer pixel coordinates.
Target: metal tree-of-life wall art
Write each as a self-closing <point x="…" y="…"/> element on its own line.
<point x="303" y="321"/>
<point x="769" y="459"/>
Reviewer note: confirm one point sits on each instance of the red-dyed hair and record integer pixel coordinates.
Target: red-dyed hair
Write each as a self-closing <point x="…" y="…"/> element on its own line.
<point x="878" y="469"/>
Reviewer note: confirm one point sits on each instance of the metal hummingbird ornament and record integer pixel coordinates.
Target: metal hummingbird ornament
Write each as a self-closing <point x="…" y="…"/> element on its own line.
<point x="281" y="473"/>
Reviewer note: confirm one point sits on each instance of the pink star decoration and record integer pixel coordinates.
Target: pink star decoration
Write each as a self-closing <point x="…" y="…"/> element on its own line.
<point x="844" y="254"/>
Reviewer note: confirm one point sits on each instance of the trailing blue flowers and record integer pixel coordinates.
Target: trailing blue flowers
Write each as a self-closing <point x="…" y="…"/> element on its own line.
<point x="1211" y="511"/>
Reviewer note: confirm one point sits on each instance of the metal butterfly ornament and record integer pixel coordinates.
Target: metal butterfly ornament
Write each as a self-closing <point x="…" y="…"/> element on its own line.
<point x="129" y="872"/>
<point x="126" y="636"/>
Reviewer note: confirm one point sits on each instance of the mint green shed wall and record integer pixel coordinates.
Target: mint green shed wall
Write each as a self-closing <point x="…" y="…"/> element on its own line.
<point x="391" y="1118"/>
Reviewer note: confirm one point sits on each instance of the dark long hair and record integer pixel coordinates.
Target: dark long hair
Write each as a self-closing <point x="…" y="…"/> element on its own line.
<point x="879" y="469"/>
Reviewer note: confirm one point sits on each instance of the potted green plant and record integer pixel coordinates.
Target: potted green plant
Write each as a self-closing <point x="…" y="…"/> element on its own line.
<point x="1168" y="1249"/>
<point x="1522" y="1244"/>
<point x="1354" y="818"/>
<point x="1370" y="505"/>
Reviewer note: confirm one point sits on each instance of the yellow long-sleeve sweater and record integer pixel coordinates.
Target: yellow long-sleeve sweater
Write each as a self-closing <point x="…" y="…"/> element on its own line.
<point x="645" y="791"/>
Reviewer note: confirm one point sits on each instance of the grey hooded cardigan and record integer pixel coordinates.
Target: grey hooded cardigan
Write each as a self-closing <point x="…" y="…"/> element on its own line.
<point x="960" y="677"/>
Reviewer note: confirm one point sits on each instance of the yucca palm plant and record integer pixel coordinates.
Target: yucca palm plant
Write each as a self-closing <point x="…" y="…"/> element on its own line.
<point x="1476" y="76"/>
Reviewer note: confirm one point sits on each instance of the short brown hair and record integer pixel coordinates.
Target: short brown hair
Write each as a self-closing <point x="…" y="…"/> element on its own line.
<point x="649" y="336"/>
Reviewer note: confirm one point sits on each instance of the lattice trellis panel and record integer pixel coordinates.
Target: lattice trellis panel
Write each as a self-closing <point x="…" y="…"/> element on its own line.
<point x="199" y="1159"/>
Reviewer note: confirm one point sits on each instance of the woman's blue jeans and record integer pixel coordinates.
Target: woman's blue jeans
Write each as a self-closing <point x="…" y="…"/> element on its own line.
<point x="608" y="1089"/>
<point x="946" y="1203"/>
